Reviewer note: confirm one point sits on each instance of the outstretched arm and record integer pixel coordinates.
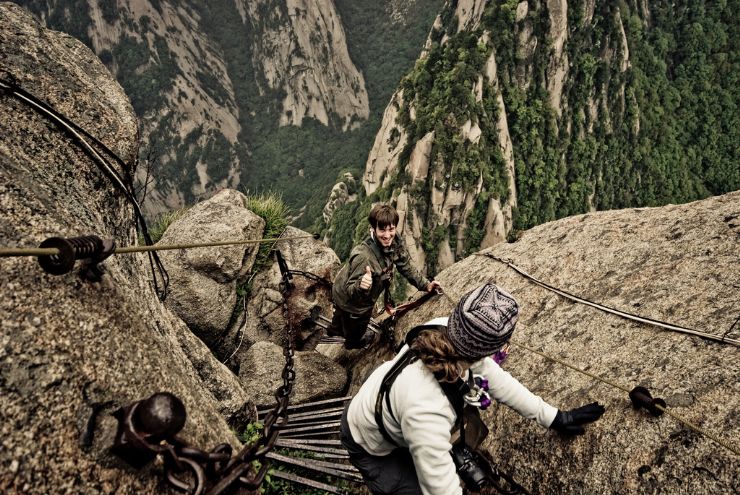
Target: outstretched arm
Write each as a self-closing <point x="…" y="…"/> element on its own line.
<point x="507" y="389"/>
<point x="408" y="270"/>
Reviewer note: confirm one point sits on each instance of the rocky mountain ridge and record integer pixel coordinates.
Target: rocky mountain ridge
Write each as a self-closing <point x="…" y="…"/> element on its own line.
<point x="302" y="53"/>
<point x="520" y="112"/>
<point x="170" y="59"/>
<point x="448" y="205"/>
<point x="73" y="350"/>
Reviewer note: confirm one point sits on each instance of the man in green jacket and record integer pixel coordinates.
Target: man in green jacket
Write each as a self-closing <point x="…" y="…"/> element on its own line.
<point x="367" y="273"/>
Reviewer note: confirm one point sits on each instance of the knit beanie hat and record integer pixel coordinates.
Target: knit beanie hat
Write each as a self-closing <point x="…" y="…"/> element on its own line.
<point x="482" y="322"/>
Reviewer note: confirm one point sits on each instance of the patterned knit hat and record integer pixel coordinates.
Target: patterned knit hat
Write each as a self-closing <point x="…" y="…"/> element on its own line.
<point x="482" y="322"/>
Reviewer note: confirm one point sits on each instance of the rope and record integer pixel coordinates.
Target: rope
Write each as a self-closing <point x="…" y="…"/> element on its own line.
<point x="11" y="252"/>
<point x="623" y="314"/>
<point x="242" y="328"/>
<point x="675" y="416"/>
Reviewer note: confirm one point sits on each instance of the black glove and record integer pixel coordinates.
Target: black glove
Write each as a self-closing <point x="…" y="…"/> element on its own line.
<point x="569" y="422"/>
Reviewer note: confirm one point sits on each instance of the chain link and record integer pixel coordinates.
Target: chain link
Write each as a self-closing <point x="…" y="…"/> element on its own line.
<point x="145" y="432"/>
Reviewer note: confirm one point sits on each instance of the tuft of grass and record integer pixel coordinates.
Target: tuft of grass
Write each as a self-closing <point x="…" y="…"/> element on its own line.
<point x="160" y="224"/>
<point x="276" y="214"/>
<point x="251" y="433"/>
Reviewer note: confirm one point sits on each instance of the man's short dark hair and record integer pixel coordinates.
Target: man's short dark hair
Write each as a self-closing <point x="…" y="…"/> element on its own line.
<point x="383" y="215"/>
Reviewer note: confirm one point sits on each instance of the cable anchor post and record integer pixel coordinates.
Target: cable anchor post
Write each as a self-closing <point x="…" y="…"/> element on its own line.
<point x="90" y="248"/>
<point x="641" y="397"/>
<point x="285" y="272"/>
<point x="143" y="424"/>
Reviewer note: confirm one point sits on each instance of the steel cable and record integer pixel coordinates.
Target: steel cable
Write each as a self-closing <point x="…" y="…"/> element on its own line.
<point x="623" y="314"/>
<point x="678" y="418"/>
<point x="74" y="131"/>
<point x="13" y="252"/>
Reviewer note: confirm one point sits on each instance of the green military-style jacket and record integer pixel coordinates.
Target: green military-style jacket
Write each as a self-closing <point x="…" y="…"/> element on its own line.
<point x="346" y="292"/>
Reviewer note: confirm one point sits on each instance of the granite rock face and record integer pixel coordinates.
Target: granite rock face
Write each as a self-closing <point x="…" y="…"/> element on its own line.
<point x="317" y="376"/>
<point x="678" y="264"/>
<point x="302" y="53"/>
<point x="66" y="343"/>
<point x="204" y="280"/>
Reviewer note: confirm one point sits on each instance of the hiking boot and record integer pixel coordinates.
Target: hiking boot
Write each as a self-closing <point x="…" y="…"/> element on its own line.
<point x="333" y="331"/>
<point x="365" y="341"/>
<point x="368" y="339"/>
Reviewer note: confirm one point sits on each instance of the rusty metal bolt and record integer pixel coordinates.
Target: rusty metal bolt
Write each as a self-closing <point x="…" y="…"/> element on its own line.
<point x="162" y="415"/>
<point x="641" y="397"/>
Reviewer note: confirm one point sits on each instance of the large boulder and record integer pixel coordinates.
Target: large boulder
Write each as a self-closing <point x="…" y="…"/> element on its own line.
<point x="316" y="376"/>
<point x="68" y="346"/>
<point x="264" y="318"/>
<point x="254" y="348"/>
<point x="678" y="264"/>
<point x="204" y="281"/>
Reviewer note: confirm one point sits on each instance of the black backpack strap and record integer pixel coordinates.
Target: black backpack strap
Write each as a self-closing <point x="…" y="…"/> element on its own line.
<point x="454" y="391"/>
<point x="414" y="332"/>
<point x="385" y="386"/>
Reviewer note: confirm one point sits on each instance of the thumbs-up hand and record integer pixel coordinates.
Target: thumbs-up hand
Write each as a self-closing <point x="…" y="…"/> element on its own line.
<point x="367" y="279"/>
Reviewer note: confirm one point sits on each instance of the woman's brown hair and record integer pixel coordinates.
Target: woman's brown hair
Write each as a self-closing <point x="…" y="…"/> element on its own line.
<point x="437" y="353"/>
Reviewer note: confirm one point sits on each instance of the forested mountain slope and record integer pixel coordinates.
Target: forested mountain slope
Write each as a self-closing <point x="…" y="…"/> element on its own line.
<point x="268" y="94"/>
<point x="518" y="113"/>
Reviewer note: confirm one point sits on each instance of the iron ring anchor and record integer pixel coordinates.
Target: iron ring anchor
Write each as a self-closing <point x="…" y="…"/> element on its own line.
<point x="641" y="397"/>
<point x="91" y="248"/>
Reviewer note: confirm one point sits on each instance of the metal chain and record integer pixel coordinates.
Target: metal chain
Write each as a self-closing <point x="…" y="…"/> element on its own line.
<point x="144" y="433"/>
<point x="312" y="276"/>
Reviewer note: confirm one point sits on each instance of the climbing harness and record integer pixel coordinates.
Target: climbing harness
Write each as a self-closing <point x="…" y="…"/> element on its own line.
<point x="623" y="314"/>
<point x="80" y="137"/>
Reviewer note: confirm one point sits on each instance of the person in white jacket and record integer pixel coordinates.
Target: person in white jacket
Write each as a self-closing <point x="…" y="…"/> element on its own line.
<point x="420" y="417"/>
